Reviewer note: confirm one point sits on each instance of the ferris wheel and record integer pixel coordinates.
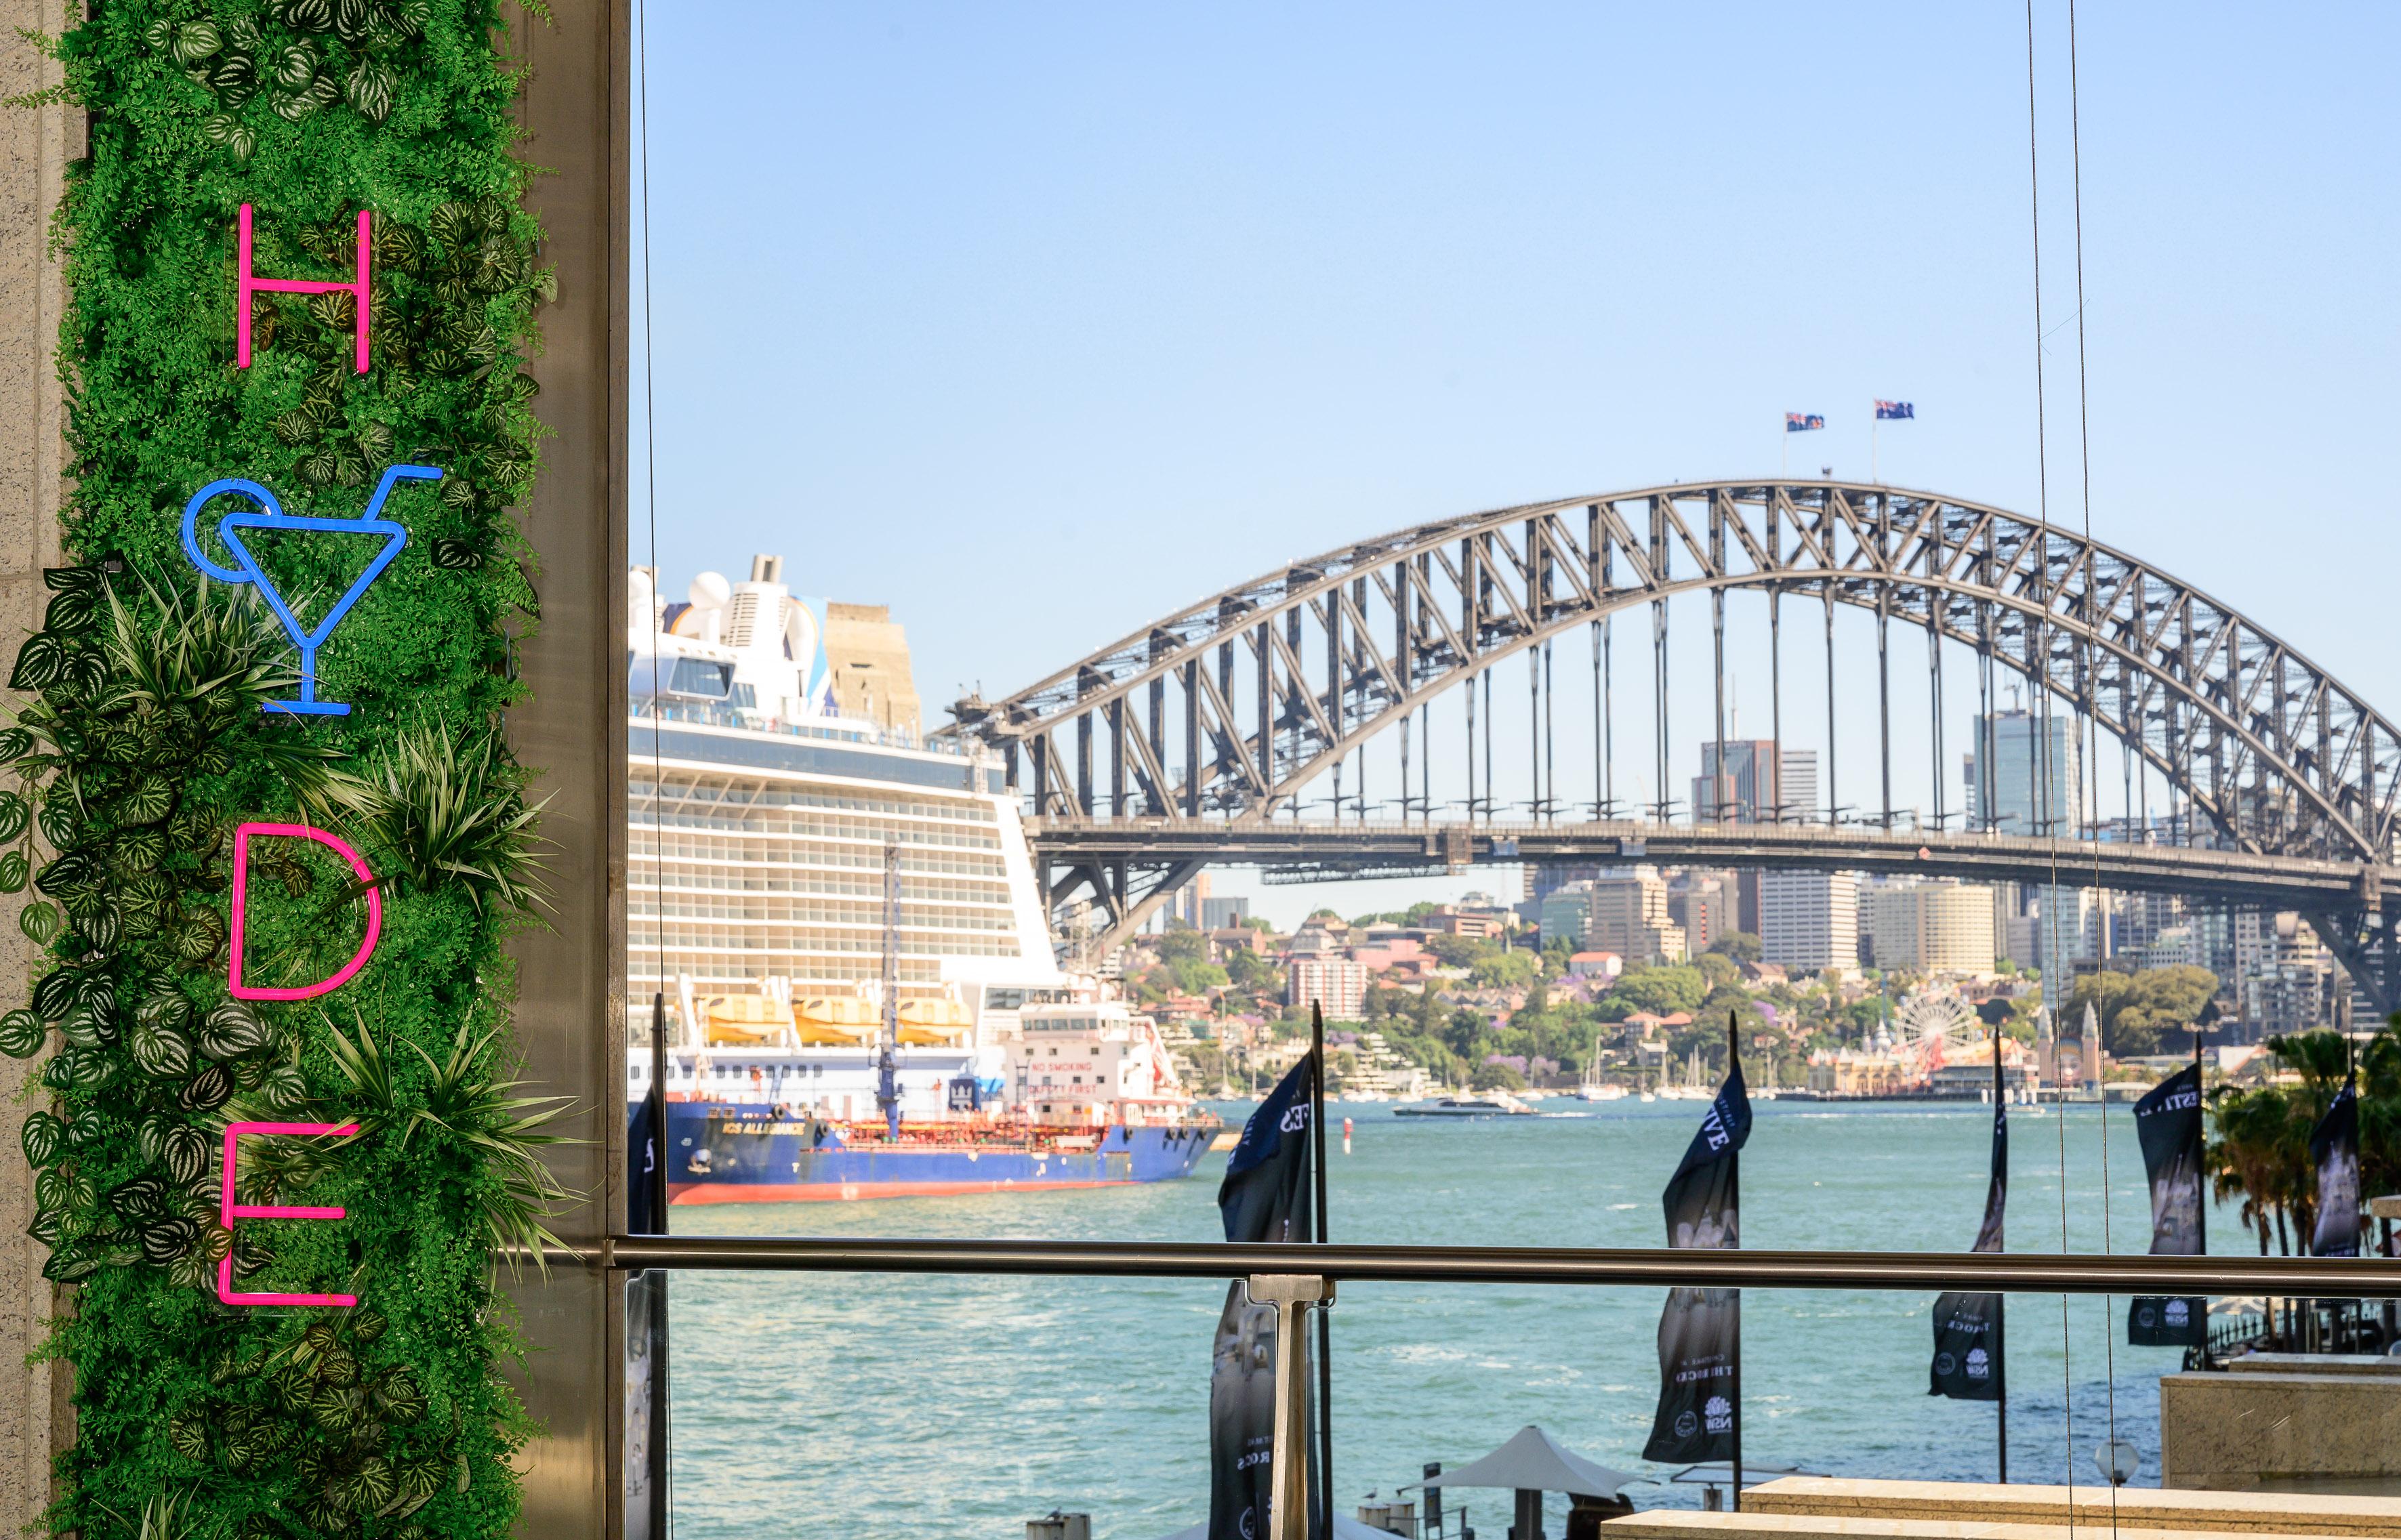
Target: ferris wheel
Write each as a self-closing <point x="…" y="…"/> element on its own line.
<point x="1929" y="1025"/>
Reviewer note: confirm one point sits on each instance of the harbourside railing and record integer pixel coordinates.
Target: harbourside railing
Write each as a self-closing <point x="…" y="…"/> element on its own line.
<point x="1299" y="1279"/>
<point x="2002" y="1273"/>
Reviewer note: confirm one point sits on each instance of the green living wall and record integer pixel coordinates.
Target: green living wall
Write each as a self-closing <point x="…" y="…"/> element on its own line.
<point x="144" y="747"/>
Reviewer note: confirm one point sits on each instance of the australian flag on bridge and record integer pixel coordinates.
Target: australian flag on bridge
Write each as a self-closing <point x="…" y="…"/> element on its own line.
<point x="1896" y="410"/>
<point x="1803" y="422"/>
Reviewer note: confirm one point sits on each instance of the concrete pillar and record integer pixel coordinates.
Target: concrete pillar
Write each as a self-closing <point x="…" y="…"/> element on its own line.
<point x="570" y="1013"/>
<point x="34" y="146"/>
<point x="571" y="1016"/>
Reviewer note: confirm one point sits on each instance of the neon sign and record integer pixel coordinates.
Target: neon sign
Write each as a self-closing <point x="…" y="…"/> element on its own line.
<point x="228" y="1211"/>
<point x="241" y="906"/>
<point x="269" y="515"/>
<point x="246" y="285"/>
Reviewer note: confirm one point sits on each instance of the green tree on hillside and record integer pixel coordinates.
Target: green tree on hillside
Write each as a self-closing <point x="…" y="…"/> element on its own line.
<point x="1506" y="970"/>
<point x="1662" y="991"/>
<point x="1182" y="941"/>
<point x="1741" y="945"/>
<point x="1250" y="970"/>
<point x="2136" y="1011"/>
<point x="1726" y="998"/>
<point x="1460" y="952"/>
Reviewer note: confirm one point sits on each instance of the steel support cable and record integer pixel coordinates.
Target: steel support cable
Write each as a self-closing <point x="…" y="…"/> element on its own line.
<point x="2084" y="449"/>
<point x="2048" y="924"/>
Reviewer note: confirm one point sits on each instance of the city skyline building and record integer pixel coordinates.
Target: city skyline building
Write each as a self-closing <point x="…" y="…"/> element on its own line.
<point x="1704" y="904"/>
<point x="1189" y="903"/>
<point x="1809" y="920"/>
<point x="2009" y="759"/>
<point x="1566" y="911"/>
<point x="1941" y="926"/>
<point x="2284" y="978"/>
<point x="1218" y="914"/>
<point x="1754" y="780"/>
<point x="1629" y="917"/>
<point x="1335" y="984"/>
<point x="2024" y="775"/>
<point x="1739" y="781"/>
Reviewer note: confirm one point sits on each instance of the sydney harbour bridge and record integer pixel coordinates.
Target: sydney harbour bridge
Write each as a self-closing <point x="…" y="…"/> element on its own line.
<point x="1192" y="740"/>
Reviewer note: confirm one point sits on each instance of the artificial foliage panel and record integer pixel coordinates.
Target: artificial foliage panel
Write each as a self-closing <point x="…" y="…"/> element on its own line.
<point x="277" y="152"/>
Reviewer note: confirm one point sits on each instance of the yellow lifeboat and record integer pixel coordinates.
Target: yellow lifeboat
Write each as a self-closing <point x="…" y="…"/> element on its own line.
<point x="934" y="1022"/>
<point x="833" y="1021"/>
<point x="743" y="1021"/>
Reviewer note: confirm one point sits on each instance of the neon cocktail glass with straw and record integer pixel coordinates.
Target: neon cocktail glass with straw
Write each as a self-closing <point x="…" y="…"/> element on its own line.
<point x="268" y="514"/>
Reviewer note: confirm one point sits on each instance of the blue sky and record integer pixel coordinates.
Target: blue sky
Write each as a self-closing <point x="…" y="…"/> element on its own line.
<point x="1037" y="321"/>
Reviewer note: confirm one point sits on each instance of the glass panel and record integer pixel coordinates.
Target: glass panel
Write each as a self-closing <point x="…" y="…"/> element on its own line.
<point x="967" y="1405"/>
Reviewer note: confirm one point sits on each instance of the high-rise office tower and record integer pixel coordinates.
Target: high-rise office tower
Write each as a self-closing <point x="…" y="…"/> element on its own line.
<point x="2025" y="778"/>
<point x="1749" y="780"/>
<point x="1739" y="783"/>
<point x="1809" y="920"/>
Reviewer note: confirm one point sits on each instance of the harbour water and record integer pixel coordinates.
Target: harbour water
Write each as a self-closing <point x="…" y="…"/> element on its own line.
<point x="883" y="1407"/>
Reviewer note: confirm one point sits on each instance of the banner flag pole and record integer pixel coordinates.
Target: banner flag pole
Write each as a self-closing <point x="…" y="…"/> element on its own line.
<point x="1324" y="1322"/>
<point x="1699" y="1416"/>
<point x="1970" y="1351"/>
<point x="656" y="1476"/>
<point x="2000" y="1303"/>
<point x="1261" y="1442"/>
<point x="1733" y="1191"/>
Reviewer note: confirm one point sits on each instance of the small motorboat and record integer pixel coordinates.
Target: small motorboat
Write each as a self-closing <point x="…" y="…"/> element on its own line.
<point x="1497" y="1104"/>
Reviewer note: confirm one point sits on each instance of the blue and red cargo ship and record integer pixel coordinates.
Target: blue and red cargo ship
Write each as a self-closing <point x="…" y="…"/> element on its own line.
<point x="735" y="1152"/>
<point x="1080" y="1093"/>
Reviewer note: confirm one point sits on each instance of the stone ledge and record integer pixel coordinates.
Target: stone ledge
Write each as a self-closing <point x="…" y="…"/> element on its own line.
<point x="2283" y="1430"/>
<point x="1690" y="1525"/>
<point x="2313" y="1363"/>
<point x="2148" y="1508"/>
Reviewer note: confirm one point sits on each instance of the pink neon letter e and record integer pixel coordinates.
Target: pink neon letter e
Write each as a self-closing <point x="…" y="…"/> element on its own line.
<point x="245" y="285"/>
<point x="230" y="1211"/>
<point x="240" y="905"/>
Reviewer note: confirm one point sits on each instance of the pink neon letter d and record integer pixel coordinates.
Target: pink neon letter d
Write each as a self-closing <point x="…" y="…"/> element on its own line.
<point x="241" y="895"/>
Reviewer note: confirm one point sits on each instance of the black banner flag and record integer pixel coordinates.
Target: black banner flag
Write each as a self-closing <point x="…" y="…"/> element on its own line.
<point x="2168" y="1126"/>
<point x="1265" y="1197"/>
<point x="1700" y="1331"/>
<point x="2334" y="1150"/>
<point x="1967" y="1327"/>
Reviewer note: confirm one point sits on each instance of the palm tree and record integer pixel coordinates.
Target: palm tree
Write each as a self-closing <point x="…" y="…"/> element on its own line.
<point x="2244" y="1159"/>
<point x="2324" y="1060"/>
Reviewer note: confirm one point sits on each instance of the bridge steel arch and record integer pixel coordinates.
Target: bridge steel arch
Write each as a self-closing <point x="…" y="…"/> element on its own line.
<point x="1226" y="708"/>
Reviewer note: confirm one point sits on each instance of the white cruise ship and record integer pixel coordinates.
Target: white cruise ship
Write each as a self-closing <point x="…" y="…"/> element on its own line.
<point x="762" y="820"/>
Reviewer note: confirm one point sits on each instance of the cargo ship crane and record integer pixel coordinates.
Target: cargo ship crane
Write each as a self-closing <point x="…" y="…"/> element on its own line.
<point x="887" y="1088"/>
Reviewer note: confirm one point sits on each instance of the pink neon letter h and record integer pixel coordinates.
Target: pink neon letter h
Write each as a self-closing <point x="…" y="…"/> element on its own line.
<point x="230" y="1211"/>
<point x="240" y="905"/>
<point x="246" y="285"/>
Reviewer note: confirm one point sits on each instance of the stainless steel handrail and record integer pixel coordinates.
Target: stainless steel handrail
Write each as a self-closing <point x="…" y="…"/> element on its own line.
<point x="2030" y="1273"/>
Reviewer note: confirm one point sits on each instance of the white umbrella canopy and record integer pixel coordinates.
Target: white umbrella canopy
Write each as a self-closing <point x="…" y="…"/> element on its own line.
<point x="1534" y="1462"/>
